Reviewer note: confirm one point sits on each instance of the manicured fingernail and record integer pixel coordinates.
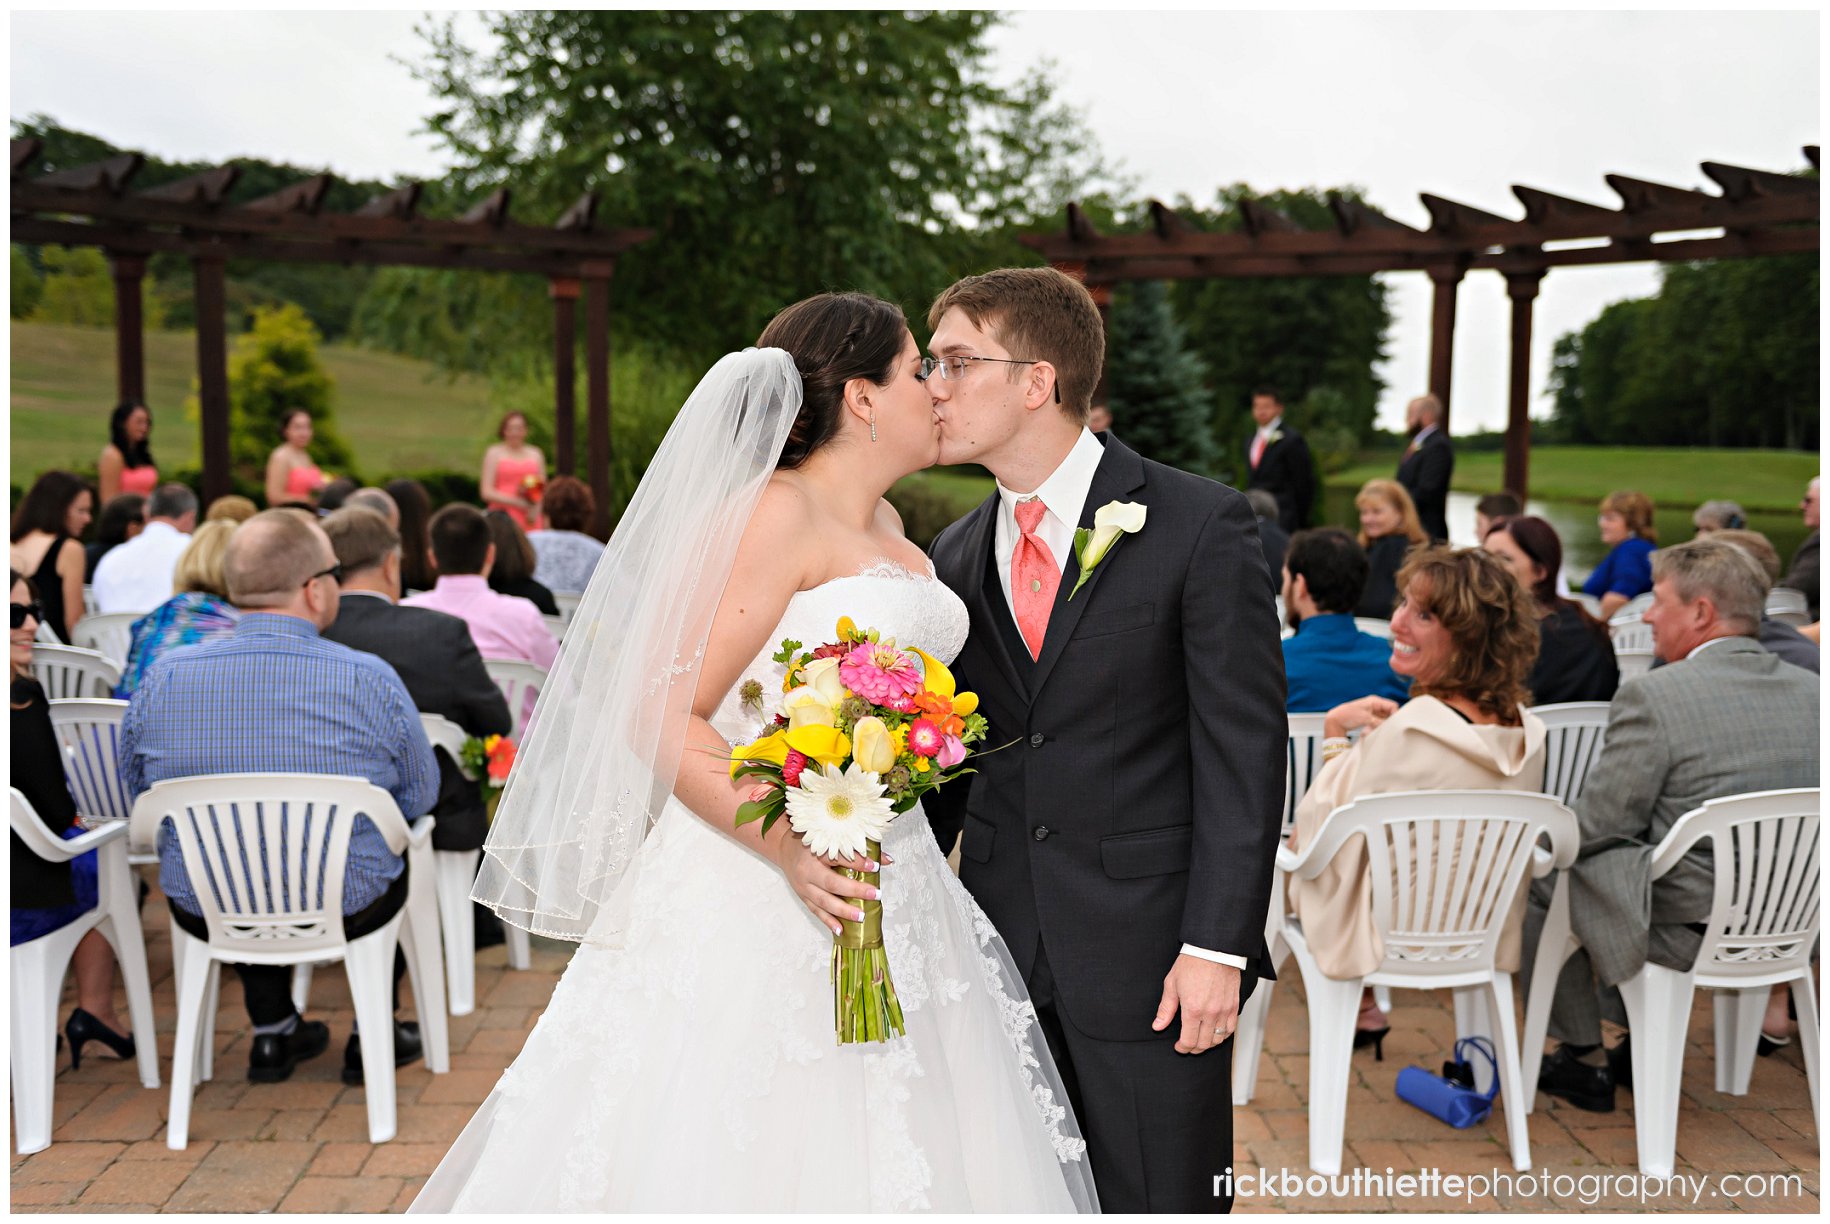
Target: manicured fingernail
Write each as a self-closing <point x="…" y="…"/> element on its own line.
<point x="874" y="893"/>
<point x="870" y="866"/>
<point x="860" y="915"/>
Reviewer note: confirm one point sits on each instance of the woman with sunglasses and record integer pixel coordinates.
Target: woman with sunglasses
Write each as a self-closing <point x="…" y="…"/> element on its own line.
<point x="47" y="896"/>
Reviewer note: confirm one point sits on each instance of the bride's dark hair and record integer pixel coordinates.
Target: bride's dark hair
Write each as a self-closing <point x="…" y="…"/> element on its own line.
<point x="833" y="339"/>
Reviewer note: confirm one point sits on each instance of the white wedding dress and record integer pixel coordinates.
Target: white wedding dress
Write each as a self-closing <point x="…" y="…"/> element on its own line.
<point x="694" y="1067"/>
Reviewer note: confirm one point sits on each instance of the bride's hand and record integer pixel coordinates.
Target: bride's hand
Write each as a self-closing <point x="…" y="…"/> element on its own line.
<point x="818" y="881"/>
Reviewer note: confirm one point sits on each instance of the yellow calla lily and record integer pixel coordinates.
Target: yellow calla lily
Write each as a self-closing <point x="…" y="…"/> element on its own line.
<point x="827" y="745"/>
<point x="772" y="749"/>
<point x="934" y="676"/>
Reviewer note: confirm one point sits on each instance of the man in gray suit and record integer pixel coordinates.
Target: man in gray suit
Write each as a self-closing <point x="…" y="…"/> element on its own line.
<point x="1727" y="717"/>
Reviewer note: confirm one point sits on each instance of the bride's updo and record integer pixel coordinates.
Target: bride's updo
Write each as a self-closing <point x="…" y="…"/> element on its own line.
<point x="833" y="339"/>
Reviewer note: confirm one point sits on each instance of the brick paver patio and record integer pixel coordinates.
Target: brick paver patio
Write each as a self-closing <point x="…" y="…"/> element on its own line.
<point x="302" y="1145"/>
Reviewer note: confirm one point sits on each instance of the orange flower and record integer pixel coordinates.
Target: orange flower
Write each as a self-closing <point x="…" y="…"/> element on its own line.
<point x="501" y="758"/>
<point x="940" y="709"/>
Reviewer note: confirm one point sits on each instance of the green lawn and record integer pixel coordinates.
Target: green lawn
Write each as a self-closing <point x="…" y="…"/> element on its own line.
<point x="1760" y="480"/>
<point x="400" y="415"/>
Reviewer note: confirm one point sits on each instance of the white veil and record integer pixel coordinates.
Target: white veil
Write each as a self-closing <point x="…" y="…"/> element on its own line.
<point x="598" y="761"/>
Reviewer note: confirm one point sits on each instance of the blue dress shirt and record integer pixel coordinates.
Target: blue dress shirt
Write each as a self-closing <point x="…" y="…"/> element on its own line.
<point x="274" y="697"/>
<point x="1330" y="661"/>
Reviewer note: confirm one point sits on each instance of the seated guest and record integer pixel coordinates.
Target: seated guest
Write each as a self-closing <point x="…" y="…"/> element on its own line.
<point x="137" y="576"/>
<point x="502" y="626"/>
<point x="276" y="697"/>
<point x="1271" y="535"/>
<point x="199" y="611"/>
<point x="1626" y="523"/>
<point x="47" y="545"/>
<point x="1803" y="576"/>
<point x="513" y="572"/>
<point x="121" y="521"/>
<point x="49" y="896"/>
<point x="1465" y="633"/>
<point x="1727" y="717"/>
<point x="231" y="508"/>
<point x="1328" y="661"/>
<point x="334" y="494"/>
<point x="1718" y="516"/>
<point x="1494" y="506"/>
<point x="1781" y="639"/>
<point x="565" y="557"/>
<point x="415" y="510"/>
<point x="430" y="651"/>
<point x="1575" y="655"/>
<point x="378" y="501"/>
<point x="1389" y="530"/>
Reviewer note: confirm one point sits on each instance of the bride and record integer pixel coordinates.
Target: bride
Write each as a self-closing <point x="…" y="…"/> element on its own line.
<point x="687" y="1060"/>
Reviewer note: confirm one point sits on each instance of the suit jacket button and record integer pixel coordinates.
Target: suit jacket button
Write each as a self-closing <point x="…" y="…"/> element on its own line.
<point x="1041" y="832"/>
<point x="1035" y="741"/>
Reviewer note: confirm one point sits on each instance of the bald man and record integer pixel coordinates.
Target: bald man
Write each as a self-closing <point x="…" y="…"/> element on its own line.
<point x="276" y="697"/>
<point x="1428" y="465"/>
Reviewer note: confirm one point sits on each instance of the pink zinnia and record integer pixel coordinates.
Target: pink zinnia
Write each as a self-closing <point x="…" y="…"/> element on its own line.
<point x="792" y="767"/>
<point x="951" y="753"/>
<point x="878" y="673"/>
<point x="925" y="739"/>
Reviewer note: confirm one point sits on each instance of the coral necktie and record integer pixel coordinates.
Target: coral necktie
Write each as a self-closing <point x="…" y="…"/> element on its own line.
<point x="1034" y="577"/>
<point x="1257" y="449"/>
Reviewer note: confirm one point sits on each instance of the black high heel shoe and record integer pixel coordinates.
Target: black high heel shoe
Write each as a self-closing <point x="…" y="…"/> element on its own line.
<point x="83" y="1028"/>
<point x="1374" y="1038"/>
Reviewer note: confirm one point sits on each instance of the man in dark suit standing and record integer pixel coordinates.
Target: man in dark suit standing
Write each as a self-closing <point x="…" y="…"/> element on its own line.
<point x="1428" y="464"/>
<point x="435" y="658"/>
<point x="1278" y="461"/>
<point x="1123" y="846"/>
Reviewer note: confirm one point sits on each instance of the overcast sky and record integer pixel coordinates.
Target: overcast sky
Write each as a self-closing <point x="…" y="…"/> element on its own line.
<point x="1459" y="105"/>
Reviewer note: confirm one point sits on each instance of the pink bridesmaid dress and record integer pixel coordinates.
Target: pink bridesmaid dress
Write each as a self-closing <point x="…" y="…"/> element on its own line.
<point x="509" y="475"/>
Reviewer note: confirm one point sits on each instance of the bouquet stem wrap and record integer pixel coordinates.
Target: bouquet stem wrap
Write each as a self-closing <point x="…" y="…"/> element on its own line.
<point x="865" y="1006"/>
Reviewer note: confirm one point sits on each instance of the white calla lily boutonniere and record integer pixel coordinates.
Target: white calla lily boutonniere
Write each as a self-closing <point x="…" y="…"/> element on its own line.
<point x="1276" y="435"/>
<point x="1112" y="522"/>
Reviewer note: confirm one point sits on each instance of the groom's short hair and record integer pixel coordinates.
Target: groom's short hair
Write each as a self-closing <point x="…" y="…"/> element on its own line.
<point x="1038" y="314"/>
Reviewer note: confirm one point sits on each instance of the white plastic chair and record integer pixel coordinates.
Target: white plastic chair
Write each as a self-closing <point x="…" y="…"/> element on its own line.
<point x="267" y="840"/>
<point x="520" y="682"/>
<point x="1302" y="761"/>
<point x="39" y="966"/>
<point x="90" y="734"/>
<point x="1633" y="663"/>
<point x="567" y="602"/>
<point x="555" y="625"/>
<point x="109" y="634"/>
<point x="1628" y="635"/>
<point x="90" y="607"/>
<point x="70" y="673"/>
<point x="44" y="635"/>
<point x="1763" y="923"/>
<point x="1632" y="610"/>
<point x="1572" y="742"/>
<point x="1444" y="869"/>
<point x="1785" y="604"/>
<point x="1373" y="625"/>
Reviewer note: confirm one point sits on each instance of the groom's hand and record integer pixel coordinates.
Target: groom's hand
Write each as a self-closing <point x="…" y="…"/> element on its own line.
<point x="1207" y="995"/>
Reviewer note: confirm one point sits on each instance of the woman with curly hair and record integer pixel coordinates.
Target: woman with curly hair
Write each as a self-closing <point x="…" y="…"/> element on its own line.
<point x="1466" y="634"/>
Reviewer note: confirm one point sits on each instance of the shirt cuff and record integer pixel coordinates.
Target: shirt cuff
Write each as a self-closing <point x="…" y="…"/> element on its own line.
<point x="1219" y="958"/>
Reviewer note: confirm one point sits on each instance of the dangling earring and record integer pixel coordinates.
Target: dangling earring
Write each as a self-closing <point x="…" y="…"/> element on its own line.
<point x="873" y="425"/>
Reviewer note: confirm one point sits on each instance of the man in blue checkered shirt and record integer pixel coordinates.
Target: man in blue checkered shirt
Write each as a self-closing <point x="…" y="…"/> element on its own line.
<point x="275" y="697"/>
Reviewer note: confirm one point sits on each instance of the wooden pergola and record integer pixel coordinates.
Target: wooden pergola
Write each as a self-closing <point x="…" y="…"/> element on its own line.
<point x="1758" y="212"/>
<point x="93" y="206"/>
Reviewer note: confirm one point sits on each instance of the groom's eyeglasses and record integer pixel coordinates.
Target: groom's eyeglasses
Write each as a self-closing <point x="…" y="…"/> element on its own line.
<point x="954" y="368"/>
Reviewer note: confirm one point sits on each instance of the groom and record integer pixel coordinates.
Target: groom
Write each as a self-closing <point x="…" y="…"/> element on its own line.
<point x="1123" y="843"/>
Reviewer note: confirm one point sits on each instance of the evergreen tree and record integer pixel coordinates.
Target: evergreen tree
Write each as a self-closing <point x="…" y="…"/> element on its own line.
<point x="1156" y="385"/>
<point x="273" y="369"/>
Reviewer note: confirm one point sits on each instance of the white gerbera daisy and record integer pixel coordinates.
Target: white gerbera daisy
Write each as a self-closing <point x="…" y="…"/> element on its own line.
<point x="836" y="813"/>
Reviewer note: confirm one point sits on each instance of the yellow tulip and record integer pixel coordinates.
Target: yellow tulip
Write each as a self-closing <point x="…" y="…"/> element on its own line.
<point x="873" y="748"/>
<point x="846" y="630"/>
<point x="826" y="745"/>
<point x="772" y="749"/>
<point x="935" y="677"/>
<point x="806" y="707"/>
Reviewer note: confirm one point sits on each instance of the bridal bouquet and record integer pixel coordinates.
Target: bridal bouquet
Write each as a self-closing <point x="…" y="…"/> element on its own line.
<point x="489" y="759"/>
<point x="863" y="730"/>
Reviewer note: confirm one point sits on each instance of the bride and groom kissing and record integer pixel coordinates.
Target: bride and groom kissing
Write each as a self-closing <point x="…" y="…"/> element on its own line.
<point x="1115" y="857"/>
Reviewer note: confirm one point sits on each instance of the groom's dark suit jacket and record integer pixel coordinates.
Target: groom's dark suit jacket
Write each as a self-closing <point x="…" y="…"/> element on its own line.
<point x="1138" y="806"/>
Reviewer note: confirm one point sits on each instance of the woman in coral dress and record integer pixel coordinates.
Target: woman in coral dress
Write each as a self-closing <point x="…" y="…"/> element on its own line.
<point x="507" y="467"/>
<point x="291" y="475"/>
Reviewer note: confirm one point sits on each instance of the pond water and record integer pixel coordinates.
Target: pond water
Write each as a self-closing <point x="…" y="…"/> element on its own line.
<point x="1575" y="523"/>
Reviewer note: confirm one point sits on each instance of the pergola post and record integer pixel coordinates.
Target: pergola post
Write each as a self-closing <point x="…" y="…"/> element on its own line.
<point x="1446" y="283"/>
<point x="1522" y="288"/>
<point x="564" y="292"/>
<point x="212" y="373"/>
<point x="596" y="275"/>
<point x="129" y="327"/>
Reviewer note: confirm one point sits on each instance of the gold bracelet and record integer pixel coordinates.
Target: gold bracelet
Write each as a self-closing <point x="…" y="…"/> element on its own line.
<point x="1334" y="746"/>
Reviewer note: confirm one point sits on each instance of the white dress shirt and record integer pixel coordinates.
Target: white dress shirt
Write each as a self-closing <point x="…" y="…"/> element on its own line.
<point x="1064" y="498"/>
<point x="137" y="576"/>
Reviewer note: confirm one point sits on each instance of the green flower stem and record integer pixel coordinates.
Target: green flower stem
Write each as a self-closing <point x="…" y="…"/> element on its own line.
<point x="865" y="1006"/>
